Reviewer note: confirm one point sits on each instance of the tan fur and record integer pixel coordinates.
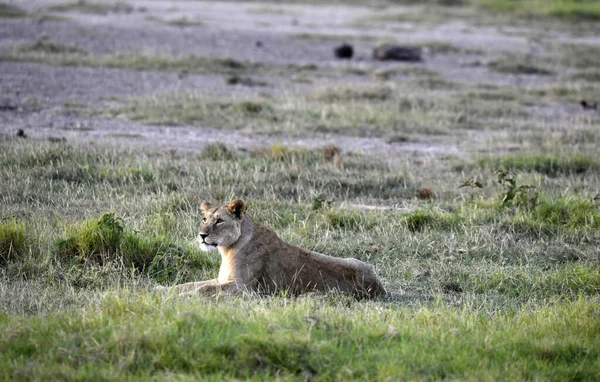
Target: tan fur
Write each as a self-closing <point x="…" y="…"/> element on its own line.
<point x="254" y="259"/>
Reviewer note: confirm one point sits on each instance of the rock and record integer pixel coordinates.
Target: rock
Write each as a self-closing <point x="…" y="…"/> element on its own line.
<point x="424" y="273"/>
<point x="425" y="193"/>
<point x="397" y="53"/>
<point x="21" y="133"/>
<point x="344" y="51"/>
<point x="7" y="105"/>
<point x="589" y="106"/>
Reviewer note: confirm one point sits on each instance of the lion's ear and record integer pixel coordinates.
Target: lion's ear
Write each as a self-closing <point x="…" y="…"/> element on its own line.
<point x="205" y="206"/>
<point x="237" y="208"/>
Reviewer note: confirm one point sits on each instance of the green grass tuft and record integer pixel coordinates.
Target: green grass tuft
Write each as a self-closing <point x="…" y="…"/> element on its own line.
<point x="96" y="240"/>
<point x="573" y="213"/>
<point x="14" y="242"/>
<point x="350" y="220"/>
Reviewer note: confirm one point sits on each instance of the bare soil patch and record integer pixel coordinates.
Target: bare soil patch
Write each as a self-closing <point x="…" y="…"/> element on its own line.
<point x="49" y="100"/>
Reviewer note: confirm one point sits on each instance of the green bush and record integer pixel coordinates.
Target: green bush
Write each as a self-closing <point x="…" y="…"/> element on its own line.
<point x="106" y="240"/>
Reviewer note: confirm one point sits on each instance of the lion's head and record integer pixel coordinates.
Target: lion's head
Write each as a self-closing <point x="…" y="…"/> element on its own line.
<point x="221" y="225"/>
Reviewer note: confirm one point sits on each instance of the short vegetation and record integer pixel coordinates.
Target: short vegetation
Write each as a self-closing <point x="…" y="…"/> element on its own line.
<point x="477" y="202"/>
<point x="110" y="225"/>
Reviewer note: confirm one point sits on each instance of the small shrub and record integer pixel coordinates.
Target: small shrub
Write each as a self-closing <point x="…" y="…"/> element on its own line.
<point x="523" y="195"/>
<point x="13" y="241"/>
<point x="106" y="240"/>
<point x="97" y="240"/>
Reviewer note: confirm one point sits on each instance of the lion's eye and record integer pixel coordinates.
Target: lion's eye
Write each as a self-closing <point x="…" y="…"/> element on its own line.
<point x="203" y="220"/>
<point x="219" y="221"/>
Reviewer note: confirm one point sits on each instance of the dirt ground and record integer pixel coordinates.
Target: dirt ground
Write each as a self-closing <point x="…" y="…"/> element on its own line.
<point x="39" y="98"/>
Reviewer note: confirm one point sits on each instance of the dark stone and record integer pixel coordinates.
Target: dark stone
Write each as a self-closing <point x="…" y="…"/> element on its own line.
<point x="21" y="133"/>
<point x="397" y="53"/>
<point x="589" y="106"/>
<point x="344" y="51"/>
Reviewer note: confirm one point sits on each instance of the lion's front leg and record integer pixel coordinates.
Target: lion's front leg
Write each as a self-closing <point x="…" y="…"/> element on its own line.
<point x="210" y="288"/>
<point x="193" y="286"/>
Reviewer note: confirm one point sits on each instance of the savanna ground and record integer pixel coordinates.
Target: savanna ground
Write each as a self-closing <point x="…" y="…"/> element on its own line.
<point x="471" y="181"/>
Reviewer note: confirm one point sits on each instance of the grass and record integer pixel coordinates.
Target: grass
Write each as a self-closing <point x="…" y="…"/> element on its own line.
<point x="335" y="37"/>
<point x="550" y="165"/>
<point x="563" y="10"/>
<point x="361" y="110"/>
<point x="269" y="10"/>
<point x="152" y="338"/>
<point x="519" y="65"/>
<point x="100" y="8"/>
<point x="13" y="241"/>
<point x="585" y="10"/>
<point x="93" y="229"/>
<point x="577" y="59"/>
<point x="591" y="75"/>
<point x="48" y="52"/>
<point x="11" y="11"/>
<point x="245" y="81"/>
<point x="488" y="281"/>
<point x="181" y="21"/>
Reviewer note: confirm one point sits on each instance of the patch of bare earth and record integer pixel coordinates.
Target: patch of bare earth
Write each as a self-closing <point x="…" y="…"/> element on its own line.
<point x="46" y="100"/>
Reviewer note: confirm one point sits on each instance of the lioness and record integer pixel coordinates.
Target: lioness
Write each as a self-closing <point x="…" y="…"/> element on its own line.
<point x="254" y="259"/>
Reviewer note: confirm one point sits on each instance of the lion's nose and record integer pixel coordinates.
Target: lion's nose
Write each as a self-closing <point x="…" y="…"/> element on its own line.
<point x="203" y="236"/>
